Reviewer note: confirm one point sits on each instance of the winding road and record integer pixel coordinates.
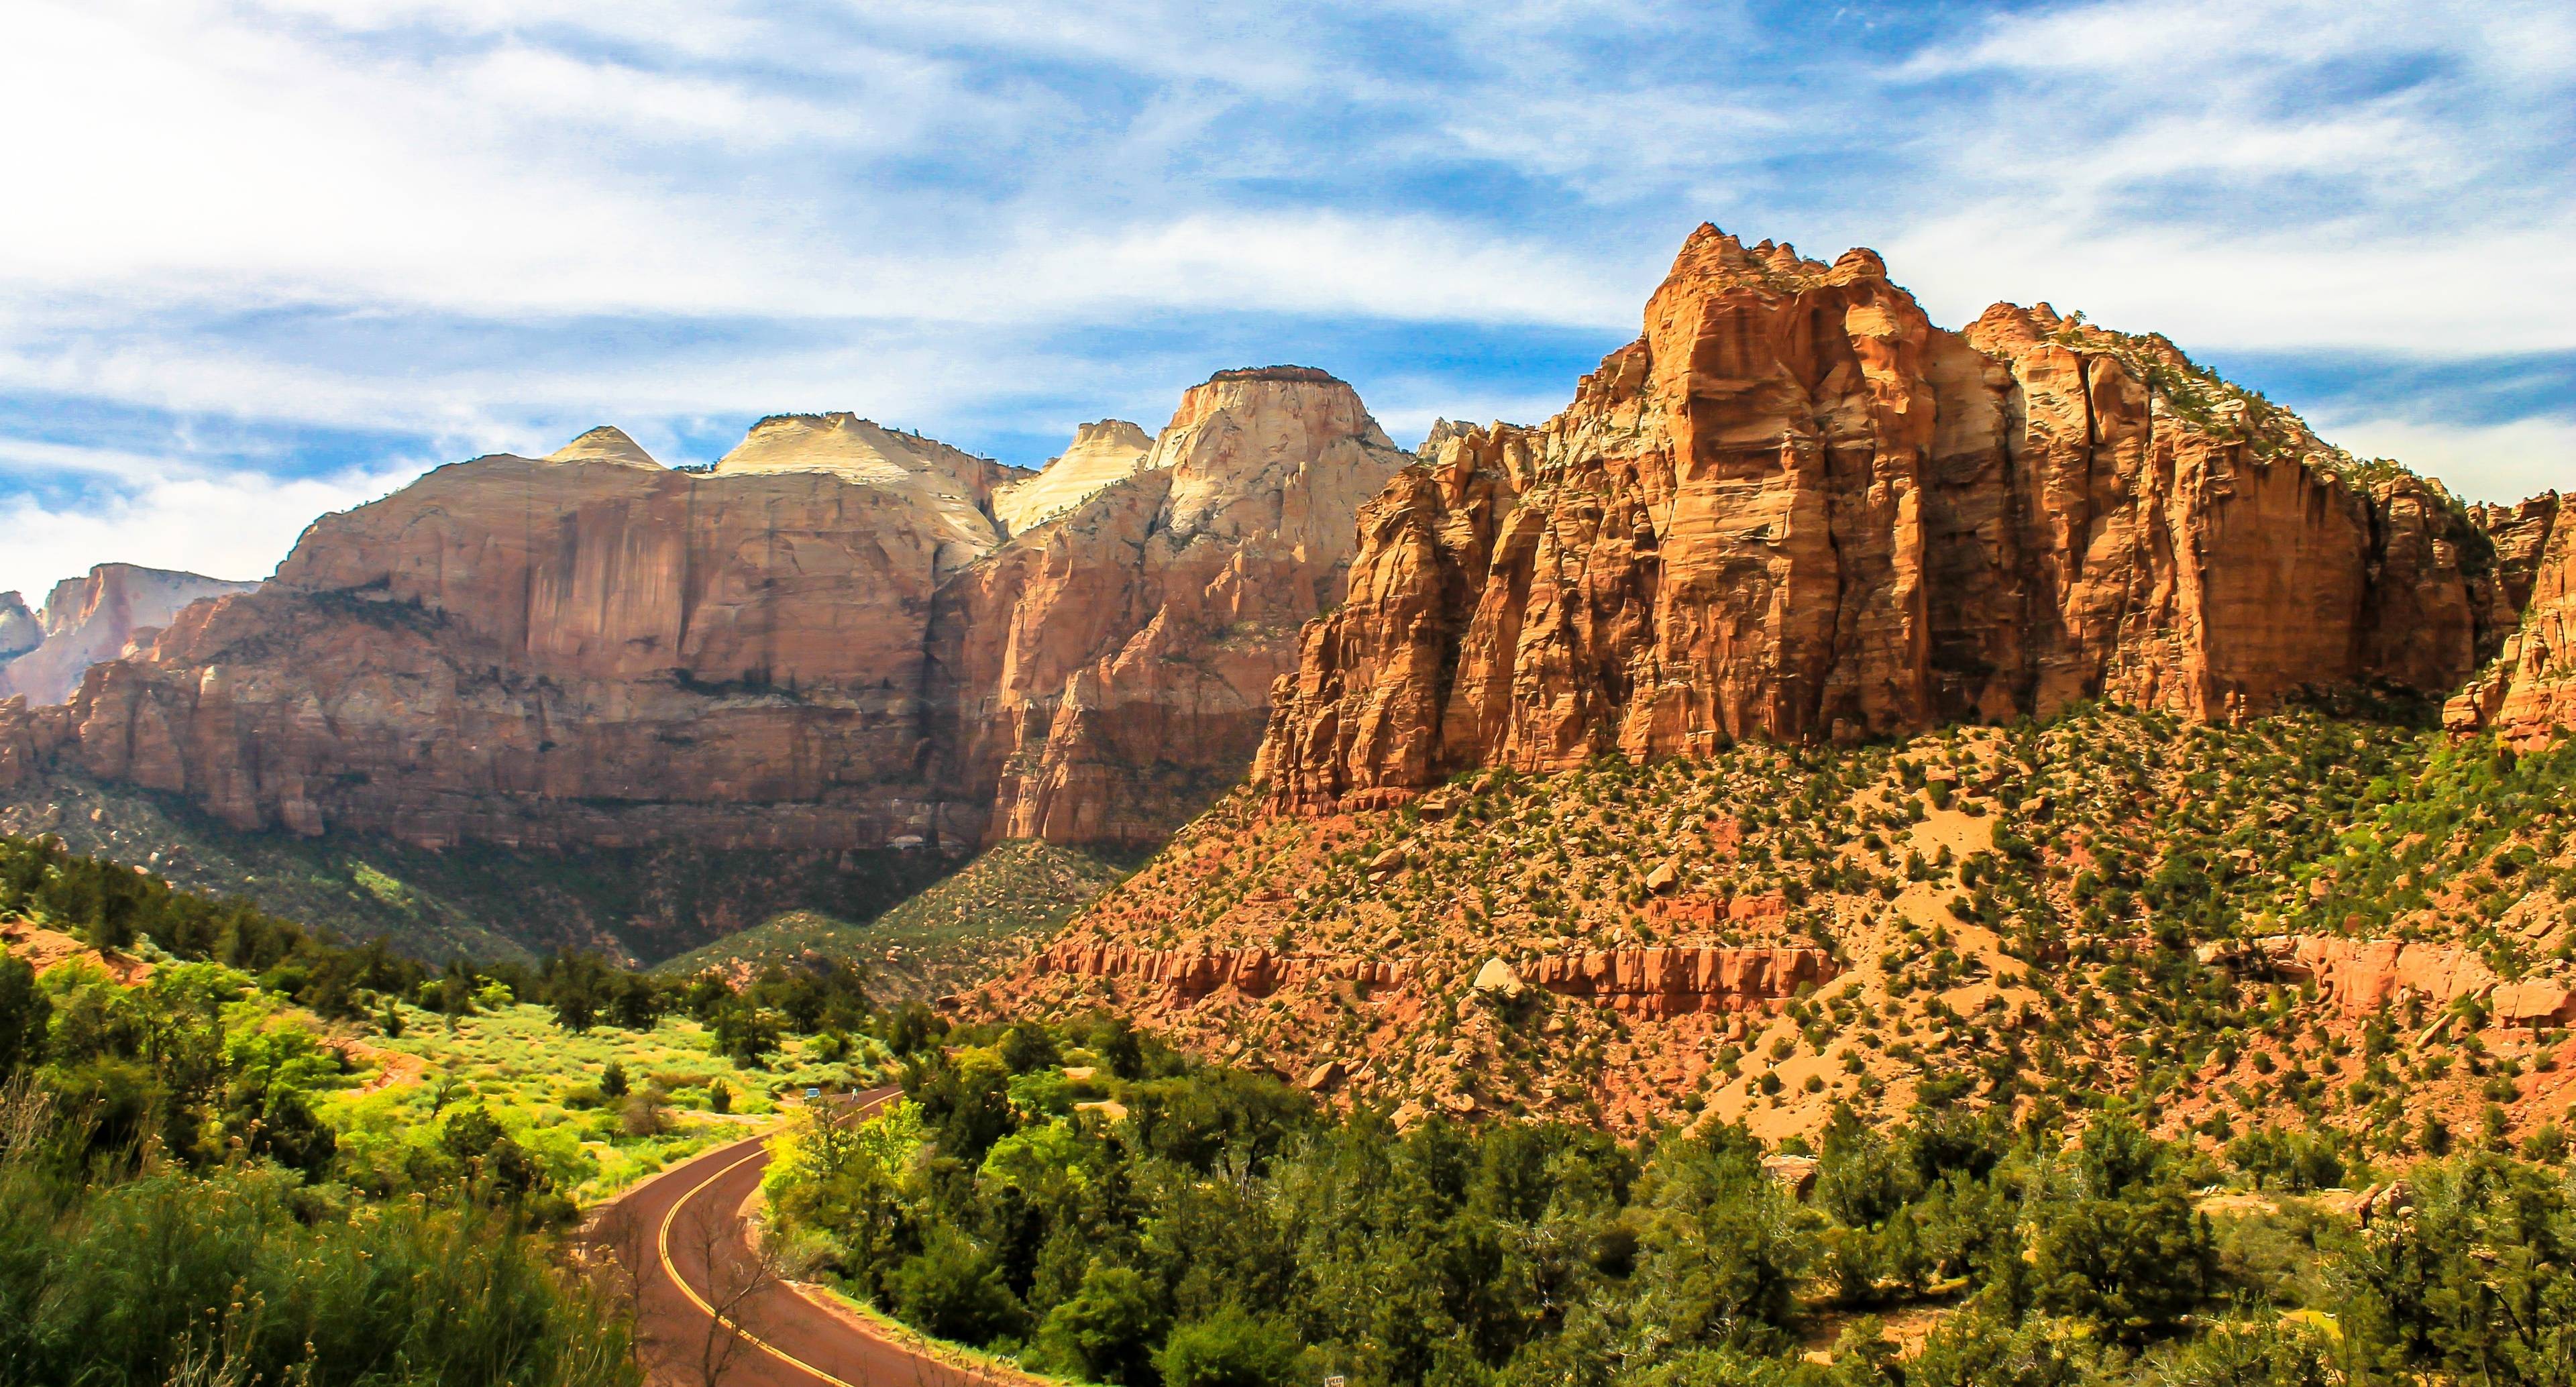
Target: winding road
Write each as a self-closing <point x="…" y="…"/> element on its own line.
<point x="695" y="1260"/>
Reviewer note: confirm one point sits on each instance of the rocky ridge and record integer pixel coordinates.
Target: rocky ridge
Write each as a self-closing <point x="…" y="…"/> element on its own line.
<point x="592" y="648"/>
<point x="1796" y="508"/>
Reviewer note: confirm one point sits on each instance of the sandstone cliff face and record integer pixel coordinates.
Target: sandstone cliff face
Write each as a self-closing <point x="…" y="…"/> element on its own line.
<point x="2528" y="694"/>
<point x="92" y="618"/>
<point x="2361" y="976"/>
<point x="582" y="648"/>
<point x="1109" y="673"/>
<point x="590" y="648"/>
<point x="1795" y="508"/>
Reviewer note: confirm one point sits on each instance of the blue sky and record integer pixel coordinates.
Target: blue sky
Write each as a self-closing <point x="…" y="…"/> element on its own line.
<point x="270" y="257"/>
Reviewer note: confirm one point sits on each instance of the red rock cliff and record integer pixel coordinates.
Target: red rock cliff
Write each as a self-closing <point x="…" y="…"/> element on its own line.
<point x="2529" y="693"/>
<point x="1794" y="507"/>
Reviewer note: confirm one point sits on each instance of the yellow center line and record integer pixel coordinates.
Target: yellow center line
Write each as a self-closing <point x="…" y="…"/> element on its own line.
<point x="672" y="1270"/>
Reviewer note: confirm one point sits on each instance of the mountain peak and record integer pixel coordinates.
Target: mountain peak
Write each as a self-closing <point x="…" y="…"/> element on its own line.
<point x="607" y="443"/>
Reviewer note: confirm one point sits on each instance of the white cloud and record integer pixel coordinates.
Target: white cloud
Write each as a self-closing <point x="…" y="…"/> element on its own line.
<point x="235" y="524"/>
<point x="2493" y="462"/>
<point x="2493" y="291"/>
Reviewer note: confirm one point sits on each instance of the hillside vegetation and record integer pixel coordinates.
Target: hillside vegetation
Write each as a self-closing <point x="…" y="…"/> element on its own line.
<point x="1086" y="1200"/>
<point x="2047" y="917"/>
<point x="236" y="1150"/>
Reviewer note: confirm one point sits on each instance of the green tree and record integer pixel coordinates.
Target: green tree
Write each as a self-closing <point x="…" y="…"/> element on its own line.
<point x="953" y="1288"/>
<point x="2115" y="1238"/>
<point x="1107" y="1331"/>
<point x="1229" y="1349"/>
<point x="24" y="1013"/>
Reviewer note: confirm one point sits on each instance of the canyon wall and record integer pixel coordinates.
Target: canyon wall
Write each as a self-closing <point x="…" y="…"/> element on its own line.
<point x="834" y="638"/>
<point x="1795" y="508"/>
<point x="1110" y="674"/>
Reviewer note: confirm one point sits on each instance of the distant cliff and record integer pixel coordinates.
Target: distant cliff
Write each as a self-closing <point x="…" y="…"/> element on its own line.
<point x="89" y="619"/>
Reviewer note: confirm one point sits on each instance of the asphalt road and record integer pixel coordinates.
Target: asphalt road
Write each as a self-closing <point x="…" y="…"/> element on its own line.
<point x="693" y="1262"/>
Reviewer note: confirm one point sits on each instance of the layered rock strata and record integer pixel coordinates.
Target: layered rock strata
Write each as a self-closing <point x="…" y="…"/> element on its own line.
<point x="1646" y="983"/>
<point x="1795" y="508"/>
<point x="92" y="618"/>
<point x="831" y="639"/>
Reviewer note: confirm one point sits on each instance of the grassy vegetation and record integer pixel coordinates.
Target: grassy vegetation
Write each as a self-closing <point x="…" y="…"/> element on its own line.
<point x="548" y="1089"/>
<point x="475" y="900"/>
<point x="953" y="933"/>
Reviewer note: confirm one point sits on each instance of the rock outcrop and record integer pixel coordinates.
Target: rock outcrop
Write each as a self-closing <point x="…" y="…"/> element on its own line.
<point x="830" y="640"/>
<point x="1651" y="983"/>
<point x="2363" y="976"/>
<point x="2528" y="694"/>
<point x="1795" y="508"/>
<point x="89" y="619"/>
<point x="1109" y="673"/>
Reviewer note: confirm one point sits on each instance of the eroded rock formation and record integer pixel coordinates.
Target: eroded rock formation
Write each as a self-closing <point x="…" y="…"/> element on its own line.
<point x="1795" y="508"/>
<point x="91" y="618"/>
<point x="2528" y="694"/>
<point x="20" y="632"/>
<point x="1110" y="672"/>
<point x="1102" y="453"/>
<point x="2363" y="976"/>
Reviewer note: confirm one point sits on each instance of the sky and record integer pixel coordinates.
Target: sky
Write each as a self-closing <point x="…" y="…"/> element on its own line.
<point x="267" y="258"/>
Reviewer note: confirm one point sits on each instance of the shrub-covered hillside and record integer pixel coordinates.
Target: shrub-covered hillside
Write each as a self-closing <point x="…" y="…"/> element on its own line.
<point x="2059" y="915"/>
<point x="955" y="932"/>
